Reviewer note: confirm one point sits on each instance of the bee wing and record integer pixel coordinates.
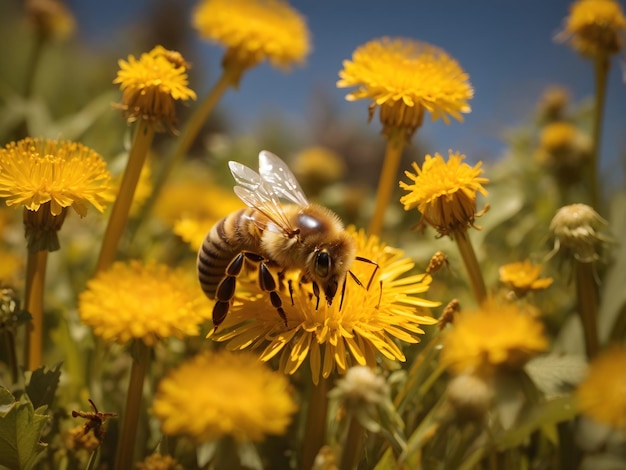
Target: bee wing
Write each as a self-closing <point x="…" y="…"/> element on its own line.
<point x="255" y="193"/>
<point x="279" y="177"/>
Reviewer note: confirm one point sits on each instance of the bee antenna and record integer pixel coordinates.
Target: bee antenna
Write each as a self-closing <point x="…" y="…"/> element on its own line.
<point x="369" y="261"/>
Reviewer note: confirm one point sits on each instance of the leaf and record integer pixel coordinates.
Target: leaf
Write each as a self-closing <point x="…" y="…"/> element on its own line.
<point x="20" y="430"/>
<point x="43" y="385"/>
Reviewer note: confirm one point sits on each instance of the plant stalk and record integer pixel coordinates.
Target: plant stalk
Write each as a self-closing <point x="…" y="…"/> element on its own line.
<point x="35" y="281"/>
<point x="315" y="431"/>
<point x="471" y="265"/>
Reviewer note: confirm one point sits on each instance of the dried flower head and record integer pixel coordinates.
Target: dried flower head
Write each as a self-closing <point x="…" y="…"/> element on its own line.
<point x="361" y="385"/>
<point x="497" y="335"/>
<point x="595" y="27"/>
<point x="576" y="232"/>
<point x="405" y="78"/>
<point x="152" y="84"/>
<point x="369" y="321"/>
<point x="147" y="302"/>
<point x="470" y="396"/>
<point x="523" y="277"/>
<point x="445" y="192"/>
<point x="221" y="393"/>
<point x="602" y="395"/>
<point x="253" y="31"/>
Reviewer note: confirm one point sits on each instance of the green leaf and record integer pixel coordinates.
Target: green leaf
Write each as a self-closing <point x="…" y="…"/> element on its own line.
<point x="20" y="430"/>
<point x="43" y="385"/>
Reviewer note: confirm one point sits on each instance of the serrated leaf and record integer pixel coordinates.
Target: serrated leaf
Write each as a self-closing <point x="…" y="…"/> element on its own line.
<point x="20" y="430"/>
<point x="43" y="385"/>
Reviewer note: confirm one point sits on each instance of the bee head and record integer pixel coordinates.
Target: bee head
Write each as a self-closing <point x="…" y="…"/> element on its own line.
<point x="331" y="263"/>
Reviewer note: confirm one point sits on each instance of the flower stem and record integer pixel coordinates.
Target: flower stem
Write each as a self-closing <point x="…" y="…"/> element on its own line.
<point x="128" y="435"/>
<point x="35" y="280"/>
<point x="351" y="452"/>
<point x="11" y="354"/>
<point x="601" y="65"/>
<point x="119" y="214"/>
<point x="471" y="264"/>
<point x="315" y="431"/>
<point x="588" y="301"/>
<point x="190" y="131"/>
<point x="387" y="181"/>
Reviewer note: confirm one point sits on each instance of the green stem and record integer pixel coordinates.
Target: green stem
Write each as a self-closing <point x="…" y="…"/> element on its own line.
<point x="601" y="66"/>
<point x="387" y="181"/>
<point x="128" y="435"/>
<point x="11" y="354"/>
<point x="315" y="431"/>
<point x="427" y="356"/>
<point x="588" y="301"/>
<point x="351" y="451"/>
<point x="119" y="214"/>
<point x="35" y="281"/>
<point x="471" y="264"/>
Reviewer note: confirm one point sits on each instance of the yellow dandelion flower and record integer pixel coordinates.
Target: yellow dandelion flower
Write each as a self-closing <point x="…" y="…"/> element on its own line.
<point x="595" y="27"/>
<point x="350" y="332"/>
<point x="219" y="394"/>
<point x="34" y="172"/>
<point x="151" y="85"/>
<point x="142" y="301"/>
<point x="254" y="30"/>
<point x="406" y="77"/>
<point x="523" y="277"/>
<point x="498" y="335"/>
<point x="602" y="395"/>
<point x="445" y="192"/>
<point x="317" y="167"/>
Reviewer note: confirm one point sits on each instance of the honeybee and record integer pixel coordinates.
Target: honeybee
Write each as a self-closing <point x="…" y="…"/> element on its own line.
<point x="279" y="228"/>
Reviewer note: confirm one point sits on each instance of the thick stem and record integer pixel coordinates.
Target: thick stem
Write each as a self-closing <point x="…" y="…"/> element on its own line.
<point x="351" y="450"/>
<point x="11" y="354"/>
<point x="119" y="214"/>
<point x="471" y="265"/>
<point x="315" y="431"/>
<point x="588" y="301"/>
<point x="601" y="65"/>
<point x="132" y="411"/>
<point x="35" y="280"/>
<point x="387" y="181"/>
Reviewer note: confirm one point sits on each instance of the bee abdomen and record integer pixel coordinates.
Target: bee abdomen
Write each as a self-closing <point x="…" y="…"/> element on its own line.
<point x="218" y="249"/>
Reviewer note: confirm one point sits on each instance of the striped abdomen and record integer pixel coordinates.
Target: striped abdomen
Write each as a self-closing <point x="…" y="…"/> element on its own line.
<point x="227" y="239"/>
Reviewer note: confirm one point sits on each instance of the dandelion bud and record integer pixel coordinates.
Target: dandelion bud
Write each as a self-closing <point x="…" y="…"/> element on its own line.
<point x="470" y="396"/>
<point x="437" y="261"/>
<point x="51" y="18"/>
<point x="449" y="312"/>
<point x="361" y="385"/>
<point x="553" y="103"/>
<point x="575" y="228"/>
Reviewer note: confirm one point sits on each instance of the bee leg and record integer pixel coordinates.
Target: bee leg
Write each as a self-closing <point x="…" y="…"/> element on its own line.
<point x="343" y="292"/>
<point x="316" y="293"/>
<point x="290" y="286"/>
<point x="268" y="284"/>
<point x="226" y="289"/>
<point x="369" y="261"/>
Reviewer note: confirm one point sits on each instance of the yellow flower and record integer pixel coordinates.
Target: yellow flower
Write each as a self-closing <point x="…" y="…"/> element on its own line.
<point x="147" y="302"/>
<point x="152" y="84"/>
<point x="496" y="335"/>
<point x="159" y="462"/>
<point x="219" y="394"/>
<point x="445" y="192"/>
<point x="254" y="30"/>
<point x="317" y="167"/>
<point x="405" y="78"/>
<point x="595" y="27"/>
<point x="51" y="18"/>
<point x="347" y="333"/>
<point x="602" y="395"/>
<point x="66" y="174"/>
<point x="523" y="277"/>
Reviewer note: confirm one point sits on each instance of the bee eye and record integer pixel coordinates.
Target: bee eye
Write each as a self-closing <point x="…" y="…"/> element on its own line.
<point x="322" y="264"/>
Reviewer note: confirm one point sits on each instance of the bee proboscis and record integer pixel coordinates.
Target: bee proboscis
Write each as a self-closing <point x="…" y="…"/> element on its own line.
<point x="279" y="228"/>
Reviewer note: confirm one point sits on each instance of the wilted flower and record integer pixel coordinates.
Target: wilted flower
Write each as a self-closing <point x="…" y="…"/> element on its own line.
<point x="602" y="395"/>
<point x="595" y="27"/>
<point x="497" y="335"/>
<point x="405" y="78"/>
<point x="152" y="84"/>
<point x="219" y="394"/>
<point x="445" y="192"/>
<point x="254" y="30"/>
<point x="147" y="302"/>
<point x="523" y="277"/>
<point x="367" y="322"/>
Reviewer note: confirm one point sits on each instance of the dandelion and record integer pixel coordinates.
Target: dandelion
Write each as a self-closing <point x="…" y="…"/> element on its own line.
<point x="159" y="462"/>
<point x="317" y="167"/>
<point x="51" y="18"/>
<point x="219" y="394"/>
<point x="553" y="103"/>
<point x="523" y="277"/>
<point x="404" y="78"/>
<point x="445" y="195"/>
<point x="367" y="323"/>
<point x="152" y="84"/>
<point x="602" y="395"/>
<point x="496" y="336"/>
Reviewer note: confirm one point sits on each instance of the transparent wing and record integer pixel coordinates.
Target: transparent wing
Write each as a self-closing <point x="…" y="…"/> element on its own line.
<point x="255" y="193"/>
<point x="276" y="174"/>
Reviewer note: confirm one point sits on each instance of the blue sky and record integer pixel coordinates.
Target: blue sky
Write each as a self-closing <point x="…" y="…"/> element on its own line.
<point x="507" y="48"/>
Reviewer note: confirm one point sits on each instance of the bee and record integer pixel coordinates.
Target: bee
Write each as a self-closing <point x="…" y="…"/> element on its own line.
<point x="280" y="229"/>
